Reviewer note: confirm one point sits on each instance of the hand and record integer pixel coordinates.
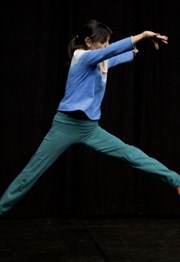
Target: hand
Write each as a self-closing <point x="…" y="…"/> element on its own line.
<point x="135" y="51"/>
<point x="155" y="38"/>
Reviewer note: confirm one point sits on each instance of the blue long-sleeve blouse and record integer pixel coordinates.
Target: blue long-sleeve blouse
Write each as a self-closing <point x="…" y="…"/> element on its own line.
<point x="87" y="77"/>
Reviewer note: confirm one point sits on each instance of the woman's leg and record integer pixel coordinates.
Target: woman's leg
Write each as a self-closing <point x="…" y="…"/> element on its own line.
<point x="106" y="143"/>
<point x="53" y="145"/>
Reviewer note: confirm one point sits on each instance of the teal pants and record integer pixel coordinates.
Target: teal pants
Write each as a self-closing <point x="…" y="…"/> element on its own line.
<point x="66" y="131"/>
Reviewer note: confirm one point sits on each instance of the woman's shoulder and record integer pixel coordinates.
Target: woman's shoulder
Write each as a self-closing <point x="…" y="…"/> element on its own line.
<point x="77" y="54"/>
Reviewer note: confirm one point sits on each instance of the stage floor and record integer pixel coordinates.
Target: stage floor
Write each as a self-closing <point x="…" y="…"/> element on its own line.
<point x="90" y="240"/>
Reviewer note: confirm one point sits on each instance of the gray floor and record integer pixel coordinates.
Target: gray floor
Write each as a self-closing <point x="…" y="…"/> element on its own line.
<point x="90" y="240"/>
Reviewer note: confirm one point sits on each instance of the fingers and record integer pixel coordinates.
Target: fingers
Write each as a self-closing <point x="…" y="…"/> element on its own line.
<point x="163" y="38"/>
<point x="156" y="45"/>
<point x="135" y="51"/>
<point x="157" y="38"/>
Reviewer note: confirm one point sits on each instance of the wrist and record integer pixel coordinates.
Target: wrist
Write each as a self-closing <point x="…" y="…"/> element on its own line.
<point x="144" y="35"/>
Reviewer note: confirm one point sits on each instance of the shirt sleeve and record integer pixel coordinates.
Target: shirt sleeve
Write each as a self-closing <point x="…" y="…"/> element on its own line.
<point x="93" y="57"/>
<point x="120" y="59"/>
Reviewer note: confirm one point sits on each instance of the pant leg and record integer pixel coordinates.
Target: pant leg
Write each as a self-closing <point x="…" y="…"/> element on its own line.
<point x="106" y="143"/>
<point x="53" y="145"/>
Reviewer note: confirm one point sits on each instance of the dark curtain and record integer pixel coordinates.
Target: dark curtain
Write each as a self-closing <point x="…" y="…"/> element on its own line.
<point x="141" y="106"/>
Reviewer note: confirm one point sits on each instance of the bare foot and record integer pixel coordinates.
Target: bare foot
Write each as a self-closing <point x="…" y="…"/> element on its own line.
<point x="178" y="189"/>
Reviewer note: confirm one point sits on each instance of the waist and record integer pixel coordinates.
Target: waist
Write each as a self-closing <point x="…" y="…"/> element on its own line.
<point x="77" y="114"/>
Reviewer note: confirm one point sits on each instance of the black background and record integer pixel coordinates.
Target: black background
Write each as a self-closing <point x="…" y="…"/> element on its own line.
<point x="141" y="106"/>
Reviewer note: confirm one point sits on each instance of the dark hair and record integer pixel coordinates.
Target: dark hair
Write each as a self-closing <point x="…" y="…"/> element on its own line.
<point x="95" y="30"/>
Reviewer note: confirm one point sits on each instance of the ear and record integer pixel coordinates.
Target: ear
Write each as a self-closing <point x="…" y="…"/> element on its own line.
<point x="88" y="42"/>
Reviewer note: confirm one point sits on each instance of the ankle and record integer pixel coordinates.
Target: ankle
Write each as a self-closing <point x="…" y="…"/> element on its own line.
<point x="178" y="189"/>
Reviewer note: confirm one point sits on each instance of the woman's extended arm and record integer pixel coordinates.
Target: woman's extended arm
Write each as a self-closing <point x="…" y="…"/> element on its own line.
<point x="154" y="37"/>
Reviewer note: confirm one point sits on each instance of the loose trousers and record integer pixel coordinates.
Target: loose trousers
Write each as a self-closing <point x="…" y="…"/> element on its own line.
<point x="66" y="131"/>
